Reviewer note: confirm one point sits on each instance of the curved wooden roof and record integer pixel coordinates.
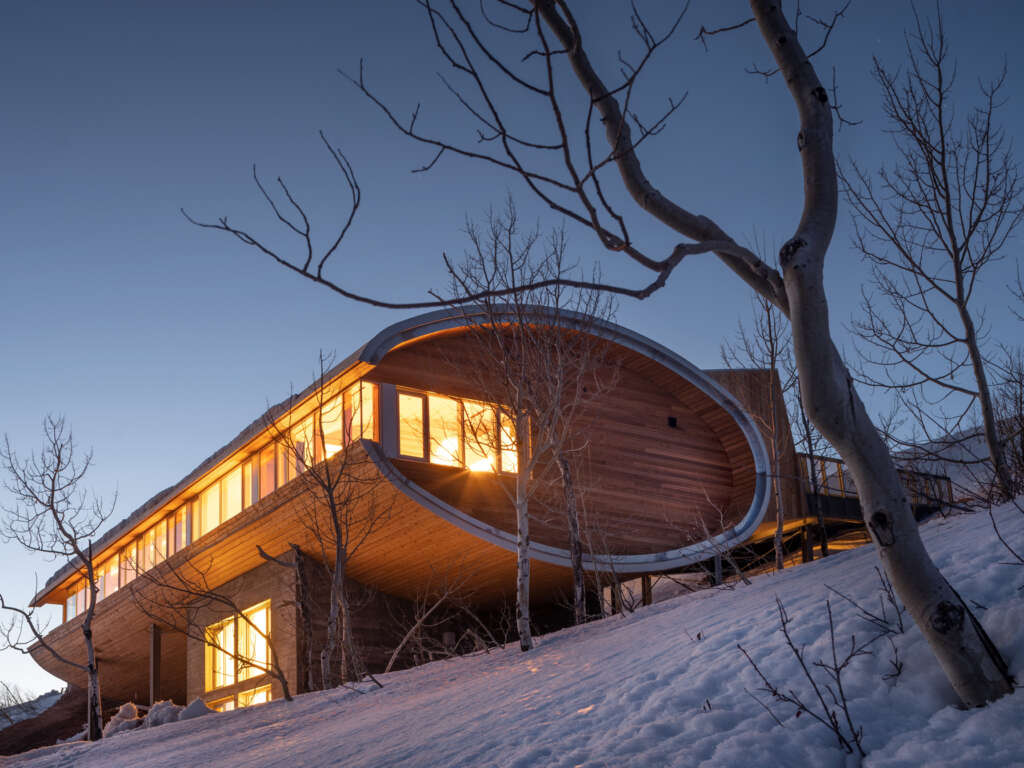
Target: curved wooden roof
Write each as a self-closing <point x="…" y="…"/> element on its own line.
<point x="678" y="474"/>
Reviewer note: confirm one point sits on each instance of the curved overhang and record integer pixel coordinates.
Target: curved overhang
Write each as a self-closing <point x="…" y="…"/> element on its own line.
<point x="424" y="325"/>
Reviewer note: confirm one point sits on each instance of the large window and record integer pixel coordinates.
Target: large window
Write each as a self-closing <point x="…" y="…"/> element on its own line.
<point x="107" y="577"/>
<point x="248" y="698"/>
<point x="455" y="433"/>
<point x="237" y="649"/>
<point x="209" y="509"/>
<point x="340" y="421"/>
<point x="129" y="562"/>
<point x="360" y="409"/>
<point x="410" y="425"/>
<point x="182" y="528"/>
<point x="253" y="631"/>
<point x="267" y="471"/>
<point x="75" y="603"/>
<point x="232" y="493"/>
<point x="445" y="431"/>
<point x="479" y="433"/>
<point x="220" y="654"/>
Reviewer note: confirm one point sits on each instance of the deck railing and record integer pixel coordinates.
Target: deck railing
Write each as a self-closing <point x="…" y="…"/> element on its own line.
<point x="924" y="488"/>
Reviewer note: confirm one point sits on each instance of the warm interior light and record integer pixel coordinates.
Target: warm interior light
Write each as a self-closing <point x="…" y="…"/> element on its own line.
<point x="446" y="452"/>
<point x="485" y="464"/>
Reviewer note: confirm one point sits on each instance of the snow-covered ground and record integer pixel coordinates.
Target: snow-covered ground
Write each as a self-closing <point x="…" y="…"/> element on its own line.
<point x="15" y="712"/>
<point x="665" y="686"/>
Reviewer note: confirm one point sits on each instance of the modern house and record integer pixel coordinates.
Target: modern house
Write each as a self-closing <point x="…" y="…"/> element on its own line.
<point x="675" y="466"/>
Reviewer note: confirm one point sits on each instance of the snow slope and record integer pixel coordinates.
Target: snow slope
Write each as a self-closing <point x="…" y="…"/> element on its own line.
<point x="665" y="686"/>
<point x="18" y="712"/>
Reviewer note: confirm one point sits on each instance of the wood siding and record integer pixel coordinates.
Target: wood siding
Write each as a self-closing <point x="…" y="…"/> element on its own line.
<point x="646" y="486"/>
<point x="750" y="387"/>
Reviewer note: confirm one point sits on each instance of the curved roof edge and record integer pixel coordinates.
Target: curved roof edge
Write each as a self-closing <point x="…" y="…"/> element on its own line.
<point x="450" y="319"/>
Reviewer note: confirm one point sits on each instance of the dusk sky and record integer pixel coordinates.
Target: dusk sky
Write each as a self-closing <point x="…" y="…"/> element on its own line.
<point x="160" y="341"/>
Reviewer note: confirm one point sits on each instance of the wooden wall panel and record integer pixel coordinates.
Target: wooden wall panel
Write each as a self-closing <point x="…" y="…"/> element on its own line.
<point x="645" y="485"/>
<point x="751" y="388"/>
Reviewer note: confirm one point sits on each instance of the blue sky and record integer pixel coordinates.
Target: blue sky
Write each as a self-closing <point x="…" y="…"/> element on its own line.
<point x="160" y="341"/>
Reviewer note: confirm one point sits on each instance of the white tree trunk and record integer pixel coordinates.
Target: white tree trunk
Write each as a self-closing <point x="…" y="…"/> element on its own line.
<point x="1003" y="477"/>
<point x="94" y="703"/>
<point x="773" y="405"/>
<point x="575" y="542"/>
<point x="523" y="538"/>
<point x="331" y="642"/>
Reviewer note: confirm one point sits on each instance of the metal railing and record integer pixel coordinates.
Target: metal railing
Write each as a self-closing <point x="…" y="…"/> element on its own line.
<point x="924" y="488"/>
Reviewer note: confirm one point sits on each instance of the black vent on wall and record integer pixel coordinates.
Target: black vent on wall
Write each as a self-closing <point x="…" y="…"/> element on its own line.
<point x="673" y="422"/>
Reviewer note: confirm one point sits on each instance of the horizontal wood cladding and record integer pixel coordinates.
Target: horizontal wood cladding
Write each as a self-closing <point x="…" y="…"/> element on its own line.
<point x="408" y="548"/>
<point x="646" y="486"/>
<point x="751" y="388"/>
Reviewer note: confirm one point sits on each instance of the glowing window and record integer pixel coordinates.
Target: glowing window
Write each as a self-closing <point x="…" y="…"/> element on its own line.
<point x="367" y="409"/>
<point x="129" y="563"/>
<point x="268" y="480"/>
<point x="445" y="431"/>
<point x="238" y="648"/>
<point x="480" y="436"/>
<point x="182" y="529"/>
<point x="71" y="606"/>
<point x="146" y="550"/>
<point x="222" y="705"/>
<point x="509" y="448"/>
<point x="232" y="485"/>
<point x="253" y="653"/>
<point x="255" y="696"/>
<point x="285" y="464"/>
<point x="250" y="487"/>
<point x="301" y="448"/>
<point x="160" y="542"/>
<point x="209" y="509"/>
<point x="332" y="425"/>
<point x="154" y="546"/>
<point x="410" y="425"/>
<point x="220" y="654"/>
<point x="108" y="577"/>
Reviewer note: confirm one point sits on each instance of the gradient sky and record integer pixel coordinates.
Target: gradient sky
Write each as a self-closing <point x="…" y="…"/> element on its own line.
<point x="160" y="341"/>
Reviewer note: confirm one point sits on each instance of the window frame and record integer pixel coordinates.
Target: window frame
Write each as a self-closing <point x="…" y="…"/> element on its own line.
<point x="424" y="395"/>
<point x="424" y="421"/>
<point x="143" y="551"/>
<point x="241" y="670"/>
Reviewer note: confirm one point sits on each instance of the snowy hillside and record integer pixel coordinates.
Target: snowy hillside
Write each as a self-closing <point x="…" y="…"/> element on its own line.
<point x="17" y="712"/>
<point x="665" y="686"/>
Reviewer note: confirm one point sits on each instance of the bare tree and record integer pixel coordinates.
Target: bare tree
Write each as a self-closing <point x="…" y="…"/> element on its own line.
<point x="53" y="515"/>
<point x="443" y="621"/>
<point x="1008" y="404"/>
<point x="341" y="502"/>
<point x="766" y="345"/>
<point x="15" y="704"/>
<point x="931" y="226"/>
<point x="561" y="160"/>
<point x="543" y="367"/>
<point x="181" y="598"/>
